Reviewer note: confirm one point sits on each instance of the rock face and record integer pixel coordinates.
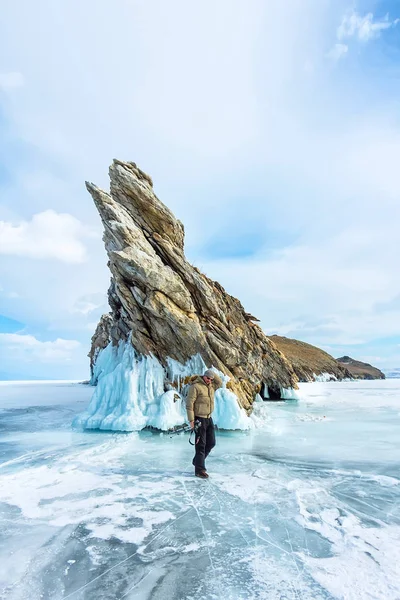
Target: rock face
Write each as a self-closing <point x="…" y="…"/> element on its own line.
<point x="309" y="361"/>
<point x="165" y="306"/>
<point x="100" y="340"/>
<point x="360" y="370"/>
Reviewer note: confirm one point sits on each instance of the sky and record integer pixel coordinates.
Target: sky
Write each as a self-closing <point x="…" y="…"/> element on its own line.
<point x="270" y="128"/>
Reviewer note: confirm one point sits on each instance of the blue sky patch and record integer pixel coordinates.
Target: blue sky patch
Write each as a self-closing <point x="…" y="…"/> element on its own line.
<point x="8" y="325"/>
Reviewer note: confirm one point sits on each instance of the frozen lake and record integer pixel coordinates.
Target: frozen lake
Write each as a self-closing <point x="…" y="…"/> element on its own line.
<point x="306" y="507"/>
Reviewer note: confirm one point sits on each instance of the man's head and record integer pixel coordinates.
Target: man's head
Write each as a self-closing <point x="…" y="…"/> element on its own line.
<point x="208" y="376"/>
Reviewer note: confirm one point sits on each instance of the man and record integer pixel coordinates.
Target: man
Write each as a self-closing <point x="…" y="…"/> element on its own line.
<point x="199" y="407"/>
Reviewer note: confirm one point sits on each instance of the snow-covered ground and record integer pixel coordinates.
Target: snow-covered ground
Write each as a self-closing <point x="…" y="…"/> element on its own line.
<point x="304" y="506"/>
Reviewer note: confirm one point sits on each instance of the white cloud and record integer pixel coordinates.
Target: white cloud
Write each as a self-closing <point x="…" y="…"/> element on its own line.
<point x="10" y="81"/>
<point x="323" y="290"/>
<point x="86" y="305"/>
<point x="9" y="294"/>
<point x="48" y="235"/>
<point x="338" y="51"/>
<point x="363" y="28"/>
<point x="85" y="308"/>
<point x="27" y="348"/>
<point x="373" y="360"/>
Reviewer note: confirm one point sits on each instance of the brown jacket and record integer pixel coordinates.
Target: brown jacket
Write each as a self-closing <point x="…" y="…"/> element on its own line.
<point x="200" y="398"/>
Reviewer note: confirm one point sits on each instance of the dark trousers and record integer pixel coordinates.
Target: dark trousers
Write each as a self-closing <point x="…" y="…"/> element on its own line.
<point x="205" y="442"/>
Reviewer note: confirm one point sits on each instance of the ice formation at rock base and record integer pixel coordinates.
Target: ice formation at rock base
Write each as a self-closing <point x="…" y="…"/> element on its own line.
<point x="130" y="394"/>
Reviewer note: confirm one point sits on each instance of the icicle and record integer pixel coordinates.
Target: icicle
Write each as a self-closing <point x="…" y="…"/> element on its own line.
<point x="289" y="394"/>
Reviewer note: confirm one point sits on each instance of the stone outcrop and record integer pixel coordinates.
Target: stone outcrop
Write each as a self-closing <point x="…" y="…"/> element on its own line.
<point x="165" y="306"/>
<point x="100" y="339"/>
<point x="360" y="370"/>
<point x="309" y="361"/>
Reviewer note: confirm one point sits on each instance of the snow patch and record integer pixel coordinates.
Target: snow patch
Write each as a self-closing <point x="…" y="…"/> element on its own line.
<point x="312" y="418"/>
<point x="324" y="377"/>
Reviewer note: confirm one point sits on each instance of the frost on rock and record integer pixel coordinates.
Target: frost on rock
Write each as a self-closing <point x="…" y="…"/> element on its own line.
<point x="130" y="393"/>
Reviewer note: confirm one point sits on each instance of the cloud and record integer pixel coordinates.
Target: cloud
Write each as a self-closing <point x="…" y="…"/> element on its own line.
<point x="338" y="51"/>
<point x="8" y="294"/>
<point x="48" y="235"/>
<point x="10" y="81"/>
<point x="373" y="360"/>
<point x="87" y="305"/>
<point x="363" y="28"/>
<point x="324" y="290"/>
<point x="27" y="348"/>
<point x="392" y="305"/>
<point x="236" y="117"/>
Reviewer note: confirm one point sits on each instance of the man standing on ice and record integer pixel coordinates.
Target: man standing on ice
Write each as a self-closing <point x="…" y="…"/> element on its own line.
<point x="199" y="407"/>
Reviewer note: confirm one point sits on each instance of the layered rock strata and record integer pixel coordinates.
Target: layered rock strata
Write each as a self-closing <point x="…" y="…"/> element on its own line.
<point x="166" y="307"/>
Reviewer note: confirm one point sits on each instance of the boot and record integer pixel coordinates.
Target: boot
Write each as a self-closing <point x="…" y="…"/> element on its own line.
<point x="202" y="474"/>
<point x="194" y="463"/>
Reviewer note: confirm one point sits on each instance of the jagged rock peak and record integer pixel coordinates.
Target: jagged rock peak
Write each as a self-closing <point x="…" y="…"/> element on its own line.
<point x="166" y="306"/>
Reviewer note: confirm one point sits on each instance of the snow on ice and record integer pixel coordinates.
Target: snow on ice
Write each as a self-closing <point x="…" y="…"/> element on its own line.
<point x="288" y="512"/>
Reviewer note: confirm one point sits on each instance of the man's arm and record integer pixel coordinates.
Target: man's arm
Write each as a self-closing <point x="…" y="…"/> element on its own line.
<point x="217" y="382"/>
<point x="191" y="397"/>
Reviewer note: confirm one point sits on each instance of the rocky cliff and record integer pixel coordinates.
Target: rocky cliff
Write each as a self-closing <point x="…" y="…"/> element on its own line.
<point x="360" y="370"/>
<point x="166" y="307"/>
<point x="309" y="361"/>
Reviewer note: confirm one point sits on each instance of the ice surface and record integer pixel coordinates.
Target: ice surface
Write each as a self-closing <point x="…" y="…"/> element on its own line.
<point x="130" y="394"/>
<point x="303" y="506"/>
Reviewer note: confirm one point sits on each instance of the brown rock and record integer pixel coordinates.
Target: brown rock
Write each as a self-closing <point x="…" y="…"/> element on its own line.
<point x="360" y="370"/>
<point x="308" y="360"/>
<point x="166" y="305"/>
